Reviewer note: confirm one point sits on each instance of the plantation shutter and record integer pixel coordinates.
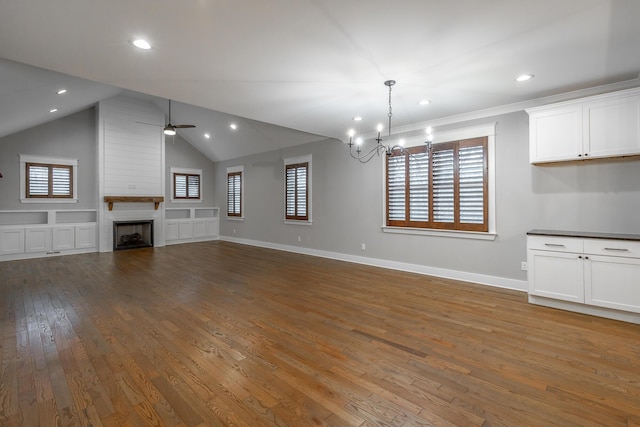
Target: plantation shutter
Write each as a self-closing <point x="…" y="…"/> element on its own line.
<point x="396" y="193"/>
<point x="49" y="181"/>
<point x="296" y="187"/>
<point x="419" y="184"/>
<point x="234" y="194"/>
<point x="443" y="177"/>
<point x="61" y="181"/>
<point x="471" y="166"/>
<point x="38" y="176"/>
<point x="193" y="186"/>
<point x="186" y="186"/>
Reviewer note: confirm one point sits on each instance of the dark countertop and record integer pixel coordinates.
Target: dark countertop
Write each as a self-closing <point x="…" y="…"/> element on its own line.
<point x="584" y="234"/>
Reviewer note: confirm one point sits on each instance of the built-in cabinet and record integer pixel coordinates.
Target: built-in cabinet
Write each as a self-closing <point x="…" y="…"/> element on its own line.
<point x="183" y="225"/>
<point x="595" y="127"/>
<point x="28" y="234"/>
<point x="585" y="271"/>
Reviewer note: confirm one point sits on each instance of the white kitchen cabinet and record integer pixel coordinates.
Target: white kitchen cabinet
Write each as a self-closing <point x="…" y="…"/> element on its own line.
<point x="595" y="127"/>
<point x="556" y="275"/>
<point x="585" y="272"/>
<point x="171" y="230"/>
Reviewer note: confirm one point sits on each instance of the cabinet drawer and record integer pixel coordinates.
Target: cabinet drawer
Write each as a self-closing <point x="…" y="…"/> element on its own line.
<point x="556" y="244"/>
<point x="621" y="248"/>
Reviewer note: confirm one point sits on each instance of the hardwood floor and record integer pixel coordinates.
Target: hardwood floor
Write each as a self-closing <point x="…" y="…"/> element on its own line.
<point x="215" y="333"/>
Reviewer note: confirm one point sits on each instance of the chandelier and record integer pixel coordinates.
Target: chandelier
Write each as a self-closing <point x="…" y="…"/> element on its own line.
<point x="389" y="147"/>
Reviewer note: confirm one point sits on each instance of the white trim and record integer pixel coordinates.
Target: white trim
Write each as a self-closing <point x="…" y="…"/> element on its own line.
<point x="290" y="161"/>
<point x="439" y="233"/>
<point x="235" y="169"/>
<point x="187" y="171"/>
<point x="495" y="281"/>
<point x="28" y="158"/>
<point x="297" y="222"/>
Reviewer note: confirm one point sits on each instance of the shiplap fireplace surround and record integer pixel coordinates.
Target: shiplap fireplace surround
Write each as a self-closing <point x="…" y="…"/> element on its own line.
<point x="131" y="166"/>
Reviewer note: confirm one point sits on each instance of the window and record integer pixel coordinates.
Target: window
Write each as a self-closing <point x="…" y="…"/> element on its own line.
<point x="187" y="184"/>
<point x="49" y="181"/>
<point x="297" y="189"/>
<point x="234" y="192"/>
<point x="446" y="188"/>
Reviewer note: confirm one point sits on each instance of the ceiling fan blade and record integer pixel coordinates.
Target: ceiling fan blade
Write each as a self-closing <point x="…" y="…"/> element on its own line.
<point x="183" y="126"/>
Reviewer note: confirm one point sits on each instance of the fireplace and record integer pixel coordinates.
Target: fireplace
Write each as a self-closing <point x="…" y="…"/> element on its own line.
<point x="132" y="234"/>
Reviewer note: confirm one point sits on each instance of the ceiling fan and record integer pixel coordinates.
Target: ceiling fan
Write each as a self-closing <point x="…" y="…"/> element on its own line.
<point x="170" y="129"/>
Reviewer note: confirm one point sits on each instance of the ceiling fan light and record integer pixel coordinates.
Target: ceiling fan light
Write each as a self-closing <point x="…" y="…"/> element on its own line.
<point x="169" y="130"/>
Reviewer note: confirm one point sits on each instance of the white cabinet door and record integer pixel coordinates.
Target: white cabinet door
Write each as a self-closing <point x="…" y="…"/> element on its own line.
<point x="37" y="240"/>
<point x="555" y="134"/>
<point x="212" y="228"/>
<point x="185" y="230"/>
<point x="64" y="238"/>
<point x="612" y="127"/>
<point x="171" y="229"/>
<point x="556" y="275"/>
<point x="85" y="236"/>
<point x="613" y="282"/>
<point x="199" y="228"/>
<point x="12" y="241"/>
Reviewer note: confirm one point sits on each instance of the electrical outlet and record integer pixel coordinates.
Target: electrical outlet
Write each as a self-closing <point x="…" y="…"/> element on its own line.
<point x="523" y="266"/>
<point x="299" y="238"/>
<point x="364" y="247"/>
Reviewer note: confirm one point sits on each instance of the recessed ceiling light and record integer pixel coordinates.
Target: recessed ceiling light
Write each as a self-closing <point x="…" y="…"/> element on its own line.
<point x="357" y="119"/>
<point x="141" y="44"/>
<point x="206" y="135"/>
<point x="53" y="110"/>
<point x="424" y="102"/>
<point x="61" y="91"/>
<point x="233" y="126"/>
<point x="524" y="77"/>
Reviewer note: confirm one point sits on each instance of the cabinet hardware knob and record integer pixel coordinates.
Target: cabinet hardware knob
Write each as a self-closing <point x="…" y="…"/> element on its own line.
<point x="579" y="256"/>
<point x="579" y="155"/>
<point x="586" y="154"/>
<point x="586" y="257"/>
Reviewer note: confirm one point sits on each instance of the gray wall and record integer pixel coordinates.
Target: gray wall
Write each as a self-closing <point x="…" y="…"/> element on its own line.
<point x="181" y="154"/>
<point x="600" y="195"/>
<point x="73" y="137"/>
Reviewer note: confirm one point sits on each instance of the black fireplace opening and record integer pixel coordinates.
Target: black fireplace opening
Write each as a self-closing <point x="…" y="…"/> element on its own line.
<point x="132" y="234"/>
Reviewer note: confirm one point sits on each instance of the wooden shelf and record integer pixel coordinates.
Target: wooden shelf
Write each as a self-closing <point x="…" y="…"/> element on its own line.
<point x="134" y="199"/>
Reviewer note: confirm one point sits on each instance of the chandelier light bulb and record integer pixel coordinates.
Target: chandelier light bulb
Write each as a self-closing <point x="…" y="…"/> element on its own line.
<point x="359" y="141"/>
<point x="351" y="133"/>
<point x="379" y="127"/>
<point x="401" y="143"/>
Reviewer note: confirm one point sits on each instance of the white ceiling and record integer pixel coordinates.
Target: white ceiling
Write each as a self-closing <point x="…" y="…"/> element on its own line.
<point x="310" y="65"/>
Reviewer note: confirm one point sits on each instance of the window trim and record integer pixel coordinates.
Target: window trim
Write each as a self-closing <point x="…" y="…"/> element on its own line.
<point x="487" y="130"/>
<point x="185" y="171"/>
<point x="47" y="161"/>
<point x="297" y="161"/>
<point x="236" y="170"/>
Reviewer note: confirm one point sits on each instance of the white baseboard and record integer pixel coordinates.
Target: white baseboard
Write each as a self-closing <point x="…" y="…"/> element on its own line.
<point x="499" y="282"/>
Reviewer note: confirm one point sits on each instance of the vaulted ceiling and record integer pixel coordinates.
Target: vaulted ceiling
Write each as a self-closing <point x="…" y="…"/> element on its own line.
<point x="296" y="71"/>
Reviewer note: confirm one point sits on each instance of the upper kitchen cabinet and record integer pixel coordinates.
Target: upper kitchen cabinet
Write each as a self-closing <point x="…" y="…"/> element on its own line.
<point x="595" y="127"/>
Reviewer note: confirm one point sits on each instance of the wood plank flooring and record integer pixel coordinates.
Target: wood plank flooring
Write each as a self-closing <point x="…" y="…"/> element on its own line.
<point x="219" y="334"/>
